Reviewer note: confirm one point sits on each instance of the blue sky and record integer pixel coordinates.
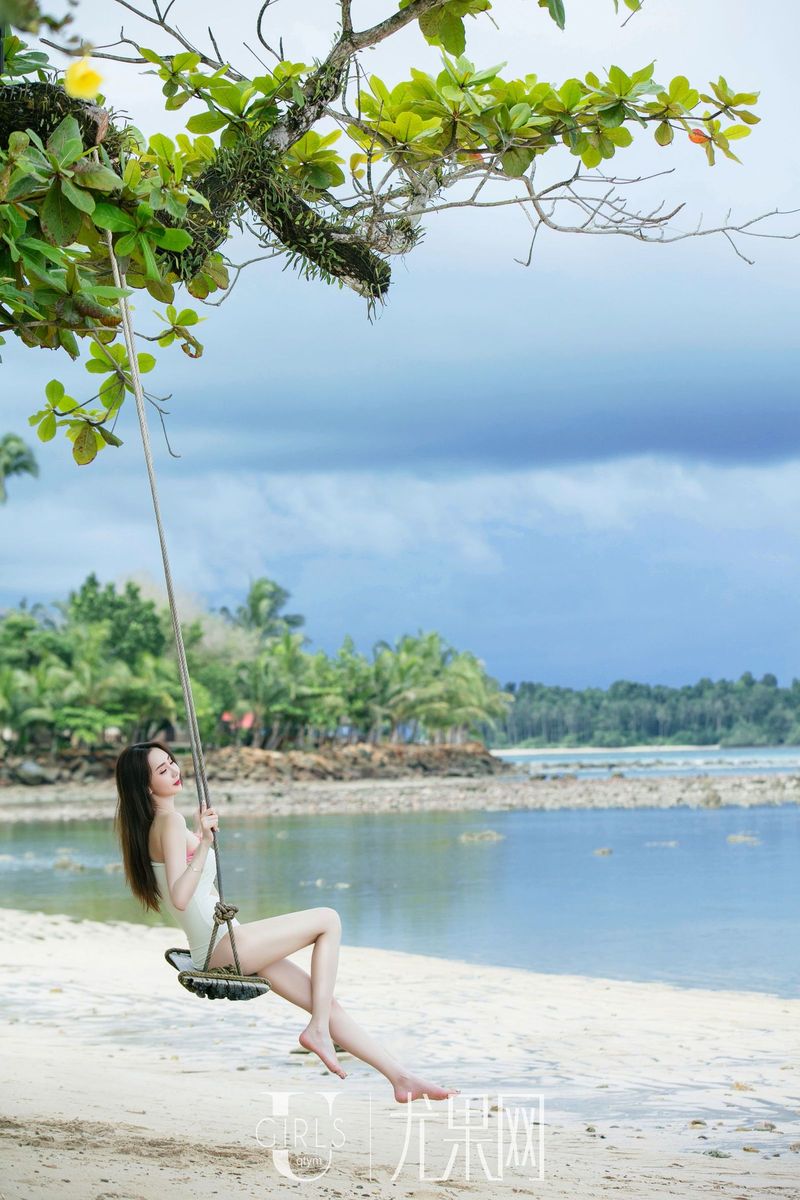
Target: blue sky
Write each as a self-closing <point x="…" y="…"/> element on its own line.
<point x="581" y="471"/>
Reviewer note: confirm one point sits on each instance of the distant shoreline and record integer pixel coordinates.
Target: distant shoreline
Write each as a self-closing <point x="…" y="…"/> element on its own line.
<point x="651" y="749"/>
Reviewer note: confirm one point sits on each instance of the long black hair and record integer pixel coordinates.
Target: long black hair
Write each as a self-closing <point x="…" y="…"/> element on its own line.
<point x="134" y="816"/>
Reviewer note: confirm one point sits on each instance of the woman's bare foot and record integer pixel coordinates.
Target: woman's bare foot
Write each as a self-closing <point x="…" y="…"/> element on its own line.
<point x="320" y="1043"/>
<point x="411" y="1087"/>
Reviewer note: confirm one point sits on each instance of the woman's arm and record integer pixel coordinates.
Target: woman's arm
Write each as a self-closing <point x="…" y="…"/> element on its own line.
<point x="182" y="880"/>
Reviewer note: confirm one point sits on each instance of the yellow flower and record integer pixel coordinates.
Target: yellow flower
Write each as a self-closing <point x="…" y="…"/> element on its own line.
<point x="81" y="80"/>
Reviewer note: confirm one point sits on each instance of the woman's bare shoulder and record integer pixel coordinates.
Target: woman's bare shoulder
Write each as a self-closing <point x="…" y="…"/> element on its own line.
<point x="173" y="817"/>
<point x="162" y="823"/>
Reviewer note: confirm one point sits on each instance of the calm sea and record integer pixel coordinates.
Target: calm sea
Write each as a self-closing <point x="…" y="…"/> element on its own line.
<point x="676" y="900"/>
<point x="707" y="760"/>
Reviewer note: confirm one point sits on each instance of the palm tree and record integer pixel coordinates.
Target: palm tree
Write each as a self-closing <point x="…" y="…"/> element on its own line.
<point x="261" y="611"/>
<point x="16" y="458"/>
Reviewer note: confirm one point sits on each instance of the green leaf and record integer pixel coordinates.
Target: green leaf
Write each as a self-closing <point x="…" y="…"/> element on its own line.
<point x="178" y="101"/>
<point x="148" y="258"/>
<point x="592" y="156"/>
<point x="612" y="116"/>
<point x="160" y="290"/>
<point x="112" y="392"/>
<point x="664" y="133"/>
<point x="186" y="61"/>
<point x="175" y="205"/>
<point x="54" y="391"/>
<point x="736" y="131"/>
<point x="379" y="89"/>
<point x="146" y="363"/>
<point x="643" y="75"/>
<point x="618" y="137"/>
<point x="680" y="92"/>
<point x="95" y="176"/>
<point x="452" y="36"/>
<point x="109" y="216"/>
<point x="69" y="342"/>
<point x="37" y="246"/>
<point x="84" y="448"/>
<point x="106" y="292"/>
<point x="77" y="196"/>
<point x="66" y="142"/>
<point x="187" y="316"/>
<point x="60" y="220"/>
<point x="172" y="239"/>
<point x="227" y="95"/>
<point x="163" y="146"/>
<point x="127" y="244"/>
<point x="47" y="428"/>
<point x="96" y="366"/>
<point x="520" y="114"/>
<point x="108" y="437"/>
<point x="206" y="122"/>
<point x="198" y="198"/>
<point x="18" y="143"/>
<point x="620" y="82"/>
<point x="516" y="161"/>
<point x="571" y="93"/>
<point x="556" y="10"/>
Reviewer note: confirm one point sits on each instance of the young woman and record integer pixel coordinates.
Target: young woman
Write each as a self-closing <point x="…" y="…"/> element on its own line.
<point x="165" y="863"/>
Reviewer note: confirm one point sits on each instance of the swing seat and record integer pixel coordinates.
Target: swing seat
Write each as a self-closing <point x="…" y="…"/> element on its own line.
<point x="220" y="983"/>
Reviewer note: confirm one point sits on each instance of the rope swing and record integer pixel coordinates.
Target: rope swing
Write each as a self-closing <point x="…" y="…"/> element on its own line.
<point x="218" y="982"/>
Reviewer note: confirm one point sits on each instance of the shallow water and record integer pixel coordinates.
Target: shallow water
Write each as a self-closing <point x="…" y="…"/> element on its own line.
<point x="675" y="901"/>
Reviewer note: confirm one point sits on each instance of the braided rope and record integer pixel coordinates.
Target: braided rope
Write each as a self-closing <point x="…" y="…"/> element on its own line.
<point x="200" y="778"/>
<point x="223" y="914"/>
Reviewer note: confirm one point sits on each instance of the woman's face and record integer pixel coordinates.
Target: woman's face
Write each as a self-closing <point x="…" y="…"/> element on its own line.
<point x="165" y="774"/>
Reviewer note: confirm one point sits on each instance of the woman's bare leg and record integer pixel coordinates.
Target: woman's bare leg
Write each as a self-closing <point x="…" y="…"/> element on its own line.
<point x="324" y="964"/>
<point x="289" y="980"/>
<point x="260" y="943"/>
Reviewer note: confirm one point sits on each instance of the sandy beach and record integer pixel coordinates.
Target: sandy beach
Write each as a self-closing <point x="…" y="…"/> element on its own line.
<point x="119" y="1085"/>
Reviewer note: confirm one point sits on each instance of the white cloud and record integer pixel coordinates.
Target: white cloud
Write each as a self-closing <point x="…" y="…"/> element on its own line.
<point x="225" y="530"/>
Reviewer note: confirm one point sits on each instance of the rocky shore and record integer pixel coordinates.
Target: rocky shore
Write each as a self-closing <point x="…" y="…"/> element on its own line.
<point x="95" y="799"/>
<point x="244" y="765"/>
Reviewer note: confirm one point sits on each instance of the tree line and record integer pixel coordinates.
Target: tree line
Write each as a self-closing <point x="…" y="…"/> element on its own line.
<point x="744" y="712"/>
<point x="99" y="667"/>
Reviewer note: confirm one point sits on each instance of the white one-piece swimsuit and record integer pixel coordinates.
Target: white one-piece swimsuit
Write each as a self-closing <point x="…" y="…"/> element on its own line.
<point x="197" y="919"/>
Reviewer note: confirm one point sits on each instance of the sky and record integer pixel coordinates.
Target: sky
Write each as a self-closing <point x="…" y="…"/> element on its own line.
<point x="583" y="470"/>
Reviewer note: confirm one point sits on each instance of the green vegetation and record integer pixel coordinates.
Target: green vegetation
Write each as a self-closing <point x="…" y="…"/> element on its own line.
<point x="16" y="458"/>
<point x="329" y="167"/>
<point x="102" y="661"/>
<point x="749" y="712"/>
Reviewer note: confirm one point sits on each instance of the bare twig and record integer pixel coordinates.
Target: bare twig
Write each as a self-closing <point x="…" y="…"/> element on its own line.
<point x="278" y="54"/>
<point x="97" y="51"/>
<point x="238" y="268"/>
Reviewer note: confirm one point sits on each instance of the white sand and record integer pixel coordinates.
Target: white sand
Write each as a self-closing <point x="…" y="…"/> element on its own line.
<point x="118" y="1085"/>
